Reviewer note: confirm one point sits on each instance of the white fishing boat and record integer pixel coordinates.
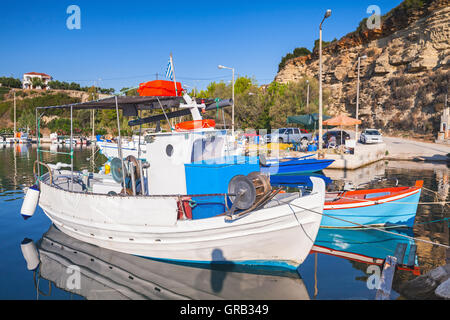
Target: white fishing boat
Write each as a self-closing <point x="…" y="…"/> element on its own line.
<point x="55" y="140"/>
<point x="187" y="202"/>
<point x="134" y="147"/>
<point x="22" y="138"/>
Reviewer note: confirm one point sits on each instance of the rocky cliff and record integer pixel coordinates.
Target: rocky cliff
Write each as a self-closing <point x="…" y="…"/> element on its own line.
<point x="404" y="78"/>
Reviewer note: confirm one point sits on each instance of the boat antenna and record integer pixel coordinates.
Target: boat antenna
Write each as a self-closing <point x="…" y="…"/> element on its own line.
<point x="165" y="115"/>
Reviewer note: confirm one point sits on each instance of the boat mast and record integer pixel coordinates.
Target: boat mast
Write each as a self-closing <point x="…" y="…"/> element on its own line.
<point x="71" y="147"/>
<point x="15" y="129"/>
<point x="37" y="148"/>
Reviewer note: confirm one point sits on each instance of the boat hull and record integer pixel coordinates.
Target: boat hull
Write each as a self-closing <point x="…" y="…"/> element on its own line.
<point x="279" y="237"/>
<point x="396" y="211"/>
<point x="110" y="150"/>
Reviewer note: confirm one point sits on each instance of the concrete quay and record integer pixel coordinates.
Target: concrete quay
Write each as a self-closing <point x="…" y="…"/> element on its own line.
<point x="393" y="148"/>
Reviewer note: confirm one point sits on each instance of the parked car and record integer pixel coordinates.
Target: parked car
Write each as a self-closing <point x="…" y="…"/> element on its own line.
<point x="371" y="136"/>
<point x="288" y="135"/>
<point x="337" y="134"/>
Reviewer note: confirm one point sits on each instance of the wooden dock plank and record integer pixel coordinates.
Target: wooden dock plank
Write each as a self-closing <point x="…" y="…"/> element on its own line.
<point x="412" y="256"/>
<point x="400" y="252"/>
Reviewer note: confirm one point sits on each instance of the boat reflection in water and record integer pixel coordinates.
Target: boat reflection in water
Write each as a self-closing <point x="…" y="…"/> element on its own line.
<point x="369" y="246"/>
<point x="106" y="274"/>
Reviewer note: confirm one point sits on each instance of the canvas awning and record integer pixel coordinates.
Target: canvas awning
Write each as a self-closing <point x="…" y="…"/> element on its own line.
<point x="342" y="121"/>
<point x="160" y="88"/>
<point x="130" y="105"/>
<point x="124" y="102"/>
<point x="309" y="121"/>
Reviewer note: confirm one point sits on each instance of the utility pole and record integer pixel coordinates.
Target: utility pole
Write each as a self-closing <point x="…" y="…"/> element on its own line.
<point x="357" y="94"/>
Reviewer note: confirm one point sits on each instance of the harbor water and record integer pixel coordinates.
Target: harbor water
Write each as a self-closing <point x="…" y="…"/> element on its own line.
<point x="344" y="264"/>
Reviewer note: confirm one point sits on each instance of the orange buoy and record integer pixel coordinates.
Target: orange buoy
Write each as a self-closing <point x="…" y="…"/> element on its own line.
<point x="195" y="124"/>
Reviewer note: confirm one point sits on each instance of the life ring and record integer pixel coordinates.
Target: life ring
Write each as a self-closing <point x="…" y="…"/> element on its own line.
<point x="195" y="124"/>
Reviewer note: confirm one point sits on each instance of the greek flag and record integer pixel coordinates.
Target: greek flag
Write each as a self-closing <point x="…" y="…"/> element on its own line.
<point x="169" y="71"/>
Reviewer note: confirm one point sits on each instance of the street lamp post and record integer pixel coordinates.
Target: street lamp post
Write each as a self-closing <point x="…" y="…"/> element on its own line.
<point x="327" y="15"/>
<point x="357" y="94"/>
<point x="232" y="97"/>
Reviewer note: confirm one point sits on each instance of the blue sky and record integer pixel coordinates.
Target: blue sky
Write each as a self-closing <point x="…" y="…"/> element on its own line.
<point x="124" y="43"/>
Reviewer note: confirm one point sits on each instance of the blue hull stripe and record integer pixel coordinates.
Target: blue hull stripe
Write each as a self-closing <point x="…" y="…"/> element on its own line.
<point x="259" y="264"/>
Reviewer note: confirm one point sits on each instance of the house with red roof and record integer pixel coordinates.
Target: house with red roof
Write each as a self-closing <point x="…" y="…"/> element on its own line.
<point x="27" y="82"/>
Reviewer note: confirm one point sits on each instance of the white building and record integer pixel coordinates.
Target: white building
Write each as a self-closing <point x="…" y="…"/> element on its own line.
<point x="27" y="84"/>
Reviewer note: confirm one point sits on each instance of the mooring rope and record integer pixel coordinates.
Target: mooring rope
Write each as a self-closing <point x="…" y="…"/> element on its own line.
<point x="434" y="221"/>
<point x="368" y="227"/>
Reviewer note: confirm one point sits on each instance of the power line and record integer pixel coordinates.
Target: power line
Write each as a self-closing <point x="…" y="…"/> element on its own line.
<point x="145" y="75"/>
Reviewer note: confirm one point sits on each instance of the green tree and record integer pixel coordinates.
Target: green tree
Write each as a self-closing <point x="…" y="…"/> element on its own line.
<point x="27" y="119"/>
<point x="10" y="82"/>
<point x="130" y="92"/>
<point x="298" y="52"/>
<point x="324" y="44"/>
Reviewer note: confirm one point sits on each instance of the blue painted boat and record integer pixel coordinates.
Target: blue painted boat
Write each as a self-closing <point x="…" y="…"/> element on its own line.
<point x="375" y="207"/>
<point x="367" y="246"/>
<point x="292" y="166"/>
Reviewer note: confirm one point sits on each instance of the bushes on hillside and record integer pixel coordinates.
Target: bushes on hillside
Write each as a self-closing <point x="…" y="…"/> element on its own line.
<point x="298" y="52"/>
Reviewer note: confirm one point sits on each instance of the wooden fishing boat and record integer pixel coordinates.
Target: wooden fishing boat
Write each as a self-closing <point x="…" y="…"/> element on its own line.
<point x="297" y="181"/>
<point x="374" y="207"/>
<point x="292" y="166"/>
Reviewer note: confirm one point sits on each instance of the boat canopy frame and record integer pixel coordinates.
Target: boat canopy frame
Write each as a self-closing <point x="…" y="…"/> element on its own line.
<point x="131" y="107"/>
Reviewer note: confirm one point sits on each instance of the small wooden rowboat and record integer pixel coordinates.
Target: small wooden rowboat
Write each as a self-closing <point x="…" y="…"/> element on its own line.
<point x="374" y="207"/>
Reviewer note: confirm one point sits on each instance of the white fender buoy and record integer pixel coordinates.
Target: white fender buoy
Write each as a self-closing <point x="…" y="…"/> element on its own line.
<point x="30" y="202"/>
<point x="30" y="253"/>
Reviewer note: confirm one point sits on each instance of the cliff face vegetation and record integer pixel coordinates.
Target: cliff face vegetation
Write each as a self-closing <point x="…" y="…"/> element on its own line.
<point x="404" y="72"/>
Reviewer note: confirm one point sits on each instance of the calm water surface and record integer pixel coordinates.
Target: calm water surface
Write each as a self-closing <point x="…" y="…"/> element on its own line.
<point x="110" y="275"/>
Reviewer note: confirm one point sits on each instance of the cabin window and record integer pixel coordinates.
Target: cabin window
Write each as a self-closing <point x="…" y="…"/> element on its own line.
<point x="207" y="149"/>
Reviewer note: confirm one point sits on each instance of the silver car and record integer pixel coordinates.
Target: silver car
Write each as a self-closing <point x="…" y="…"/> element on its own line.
<point x="371" y="136"/>
<point x="288" y="135"/>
